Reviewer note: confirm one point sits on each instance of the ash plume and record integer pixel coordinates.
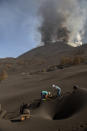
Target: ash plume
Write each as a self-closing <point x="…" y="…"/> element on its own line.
<point x="62" y="34"/>
<point x="51" y="21"/>
<point x="63" y="20"/>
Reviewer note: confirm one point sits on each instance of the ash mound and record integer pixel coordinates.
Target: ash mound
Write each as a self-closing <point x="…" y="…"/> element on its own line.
<point x="70" y="104"/>
<point x="64" y="107"/>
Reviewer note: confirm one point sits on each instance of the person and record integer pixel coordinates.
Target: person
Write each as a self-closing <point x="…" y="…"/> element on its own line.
<point x="44" y="95"/>
<point x="75" y="87"/>
<point x="23" y="107"/>
<point x="58" y="89"/>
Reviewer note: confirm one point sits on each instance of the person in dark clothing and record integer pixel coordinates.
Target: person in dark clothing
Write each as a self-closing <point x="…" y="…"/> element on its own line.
<point x="75" y="88"/>
<point x="44" y="95"/>
<point x="23" y="107"/>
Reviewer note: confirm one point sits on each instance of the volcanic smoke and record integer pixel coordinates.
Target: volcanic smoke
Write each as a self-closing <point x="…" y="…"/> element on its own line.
<point x="63" y="20"/>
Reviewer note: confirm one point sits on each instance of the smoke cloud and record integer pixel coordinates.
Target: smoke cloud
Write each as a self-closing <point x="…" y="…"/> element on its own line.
<point x="63" y="20"/>
<point x="56" y="20"/>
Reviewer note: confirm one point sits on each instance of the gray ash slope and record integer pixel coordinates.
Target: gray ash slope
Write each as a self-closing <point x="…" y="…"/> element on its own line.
<point x="51" y="54"/>
<point x="51" y="50"/>
<point x="21" y="86"/>
<point x="42" y="57"/>
<point x="46" y="51"/>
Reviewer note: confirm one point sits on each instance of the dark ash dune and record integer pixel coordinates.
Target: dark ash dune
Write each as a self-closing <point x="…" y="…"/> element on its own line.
<point x="26" y="81"/>
<point x="64" y="107"/>
<point x="70" y="105"/>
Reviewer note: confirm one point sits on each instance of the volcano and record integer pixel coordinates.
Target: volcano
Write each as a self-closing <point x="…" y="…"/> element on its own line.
<point x="37" y="70"/>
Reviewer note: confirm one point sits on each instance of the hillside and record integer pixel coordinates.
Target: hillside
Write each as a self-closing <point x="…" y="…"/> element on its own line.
<point x="37" y="70"/>
<point x="41" y="57"/>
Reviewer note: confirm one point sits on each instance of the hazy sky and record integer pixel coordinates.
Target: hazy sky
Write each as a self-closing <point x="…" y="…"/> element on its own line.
<point x="18" y="25"/>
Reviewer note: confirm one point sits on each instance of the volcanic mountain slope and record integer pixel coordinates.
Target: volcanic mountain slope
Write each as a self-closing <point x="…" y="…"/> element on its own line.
<point x="46" y="51"/>
<point x="41" y="58"/>
<point x="67" y="114"/>
<point x="51" y="50"/>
